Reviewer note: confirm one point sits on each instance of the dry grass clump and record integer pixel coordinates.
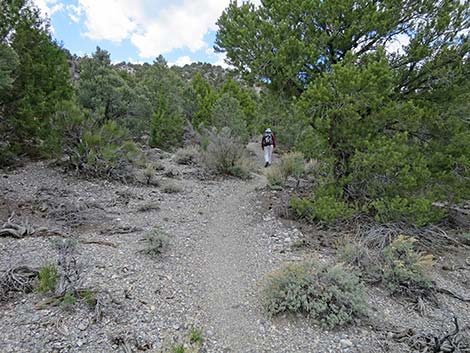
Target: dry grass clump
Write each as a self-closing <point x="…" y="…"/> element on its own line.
<point x="172" y="188"/>
<point x="187" y="155"/>
<point x="276" y="178"/>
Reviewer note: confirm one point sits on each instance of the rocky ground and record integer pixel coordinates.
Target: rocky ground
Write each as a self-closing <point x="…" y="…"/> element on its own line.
<point x="223" y="240"/>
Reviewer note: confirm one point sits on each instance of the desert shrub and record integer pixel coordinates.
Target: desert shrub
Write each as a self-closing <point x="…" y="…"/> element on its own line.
<point x="93" y="147"/>
<point x="332" y="296"/>
<point x="399" y="266"/>
<point x="172" y="188"/>
<point x="293" y="164"/>
<point x="312" y="168"/>
<point x="225" y="155"/>
<point x="47" y="279"/>
<point x="156" y="242"/>
<point x="404" y="267"/>
<point x="149" y="172"/>
<point x="275" y="176"/>
<point x="187" y="155"/>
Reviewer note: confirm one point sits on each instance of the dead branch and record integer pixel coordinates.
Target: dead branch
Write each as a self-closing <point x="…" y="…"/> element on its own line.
<point x="99" y="242"/>
<point x="69" y="277"/>
<point x="19" y="279"/>
<point x="452" y="294"/>
<point x="121" y="230"/>
<point x="15" y="229"/>
<point x="430" y="342"/>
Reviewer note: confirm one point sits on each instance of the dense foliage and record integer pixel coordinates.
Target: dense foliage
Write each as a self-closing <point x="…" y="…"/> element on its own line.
<point x="391" y="126"/>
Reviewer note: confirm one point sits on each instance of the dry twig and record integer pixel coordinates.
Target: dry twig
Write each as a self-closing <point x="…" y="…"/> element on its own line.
<point x="19" y="279"/>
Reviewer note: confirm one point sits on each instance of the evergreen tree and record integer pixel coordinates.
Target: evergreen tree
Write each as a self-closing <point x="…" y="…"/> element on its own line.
<point x="390" y="129"/>
<point x="205" y="98"/>
<point x="227" y="112"/>
<point x="41" y="77"/>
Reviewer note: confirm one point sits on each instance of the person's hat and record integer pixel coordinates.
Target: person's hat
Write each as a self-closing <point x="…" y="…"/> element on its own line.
<point x="268" y="130"/>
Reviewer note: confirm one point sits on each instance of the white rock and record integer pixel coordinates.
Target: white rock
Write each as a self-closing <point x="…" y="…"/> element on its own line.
<point x="346" y="343"/>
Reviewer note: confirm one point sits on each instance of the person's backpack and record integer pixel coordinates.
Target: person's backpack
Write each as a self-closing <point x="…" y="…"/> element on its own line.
<point x="267" y="139"/>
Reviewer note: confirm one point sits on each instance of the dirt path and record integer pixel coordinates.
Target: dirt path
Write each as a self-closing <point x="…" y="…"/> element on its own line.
<point x="234" y="257"/>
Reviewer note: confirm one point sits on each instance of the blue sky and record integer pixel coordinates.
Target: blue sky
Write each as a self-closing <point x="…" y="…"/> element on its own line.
<point x="183" y="31"/>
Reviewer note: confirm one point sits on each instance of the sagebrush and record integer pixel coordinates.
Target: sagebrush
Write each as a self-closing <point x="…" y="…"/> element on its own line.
<point x="331" y="296"/>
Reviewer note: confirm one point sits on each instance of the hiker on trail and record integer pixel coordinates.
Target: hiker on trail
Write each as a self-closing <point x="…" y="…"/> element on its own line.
<point x="268" y="144"/>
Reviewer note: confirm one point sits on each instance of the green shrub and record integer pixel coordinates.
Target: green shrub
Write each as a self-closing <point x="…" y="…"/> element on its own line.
<point x="324" y="208"/>
<point x="156" y="242"/>
<point x="7" y="156"/>
<point x="415" y="210"/>
<point x="47" y="279"/>
<point x="178" y="348"/>
<point x="68" y="301"/>
<point x="195" y="335"/>
<point x="89" y="297"/>
<point x="329" y="209"/>
<point x="94" y="148"/>
<point x="331" y="296"/>
<point x="225" y="155"/>
<point x="404" y="266"/>
<point x="188" y="155"/>
<point x="302" y="208"/>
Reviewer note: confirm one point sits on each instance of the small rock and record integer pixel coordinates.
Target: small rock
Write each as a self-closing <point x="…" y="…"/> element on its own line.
<point x="287" y="240"/>
<point x="82" y="326"/>
<point x="176" y="327"/>
<point x="345" y="342"/>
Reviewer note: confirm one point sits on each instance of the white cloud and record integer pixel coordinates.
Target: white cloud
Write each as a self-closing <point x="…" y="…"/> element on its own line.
<point x="181" y="61"/>
<point x="74" y="12"/>
<point x="108" y="19"/>
<point x="154" y="26"/>
<point x="182" y="26"/>
<point x="396" y="44"/>
<point x="48" y="7"/>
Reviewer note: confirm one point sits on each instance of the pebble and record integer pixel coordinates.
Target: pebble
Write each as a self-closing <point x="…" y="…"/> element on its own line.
<point x="346" y="342"/>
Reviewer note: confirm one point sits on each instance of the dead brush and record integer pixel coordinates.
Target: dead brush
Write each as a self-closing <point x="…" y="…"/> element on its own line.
<point x="457" y="340"/>
<point x="17" y="280"/>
